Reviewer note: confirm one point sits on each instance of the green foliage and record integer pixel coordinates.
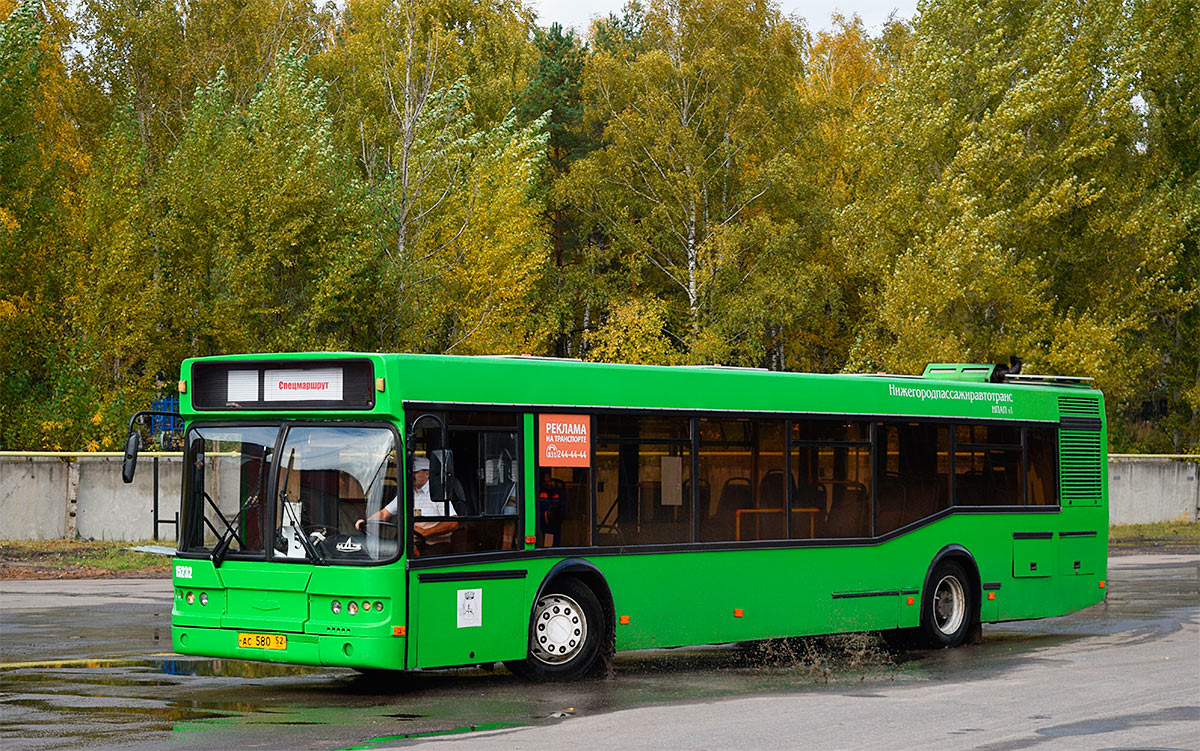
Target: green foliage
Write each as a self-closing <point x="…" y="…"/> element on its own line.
<point x="695" y="119"/>
<point x="693" y="181"/>
<point x="1003" y="166"/>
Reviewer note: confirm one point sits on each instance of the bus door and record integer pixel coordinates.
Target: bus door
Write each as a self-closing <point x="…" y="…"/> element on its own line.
<point x="467" y="603"/>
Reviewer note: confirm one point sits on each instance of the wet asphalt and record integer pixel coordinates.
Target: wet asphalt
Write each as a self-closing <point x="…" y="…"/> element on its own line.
<point x="87" y="664"/>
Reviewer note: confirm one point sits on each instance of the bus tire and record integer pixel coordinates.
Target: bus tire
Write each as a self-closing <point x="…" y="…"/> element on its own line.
<point x="948" y="610"/>
<point x="566" y="634"/>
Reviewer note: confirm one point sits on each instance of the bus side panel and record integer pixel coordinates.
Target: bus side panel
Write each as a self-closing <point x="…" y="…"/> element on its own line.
<point x="696" y="598"/>
<point x="704" y="597"/>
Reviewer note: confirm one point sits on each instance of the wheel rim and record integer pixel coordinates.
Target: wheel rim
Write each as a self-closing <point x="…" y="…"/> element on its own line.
<point x="559" y="631"/>
<point x="949" y="605"/>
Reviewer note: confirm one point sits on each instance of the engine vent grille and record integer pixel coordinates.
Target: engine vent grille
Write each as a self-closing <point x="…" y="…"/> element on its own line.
<point x="1078" y="406"/>
<point x="1080" y="468"/>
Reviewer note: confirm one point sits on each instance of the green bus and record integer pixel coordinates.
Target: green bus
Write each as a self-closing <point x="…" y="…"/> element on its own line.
<point x="401" y="511"/>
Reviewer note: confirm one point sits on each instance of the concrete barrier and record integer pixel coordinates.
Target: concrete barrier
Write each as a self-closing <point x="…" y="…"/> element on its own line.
<point x="54" y="496"/>
<point x="63" y="495"/>
<point x="1147" y="489"/>
<point x="108" y="509"/>
<point x="33" y="497"/>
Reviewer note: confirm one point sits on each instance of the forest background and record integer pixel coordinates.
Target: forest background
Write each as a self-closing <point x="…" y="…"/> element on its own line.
<point x="692" y="181"/>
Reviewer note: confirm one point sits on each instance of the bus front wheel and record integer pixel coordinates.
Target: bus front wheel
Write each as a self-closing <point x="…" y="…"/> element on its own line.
<point x="566" y="632"/>
<point x="948" y="609"/>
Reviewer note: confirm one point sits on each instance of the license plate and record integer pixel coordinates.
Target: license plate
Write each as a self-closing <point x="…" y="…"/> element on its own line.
<point x="262" y="641"/>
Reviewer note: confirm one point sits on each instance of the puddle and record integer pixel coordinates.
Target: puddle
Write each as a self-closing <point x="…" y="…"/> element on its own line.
<point x="232" y="668"/>
<point x="377" y="742"/>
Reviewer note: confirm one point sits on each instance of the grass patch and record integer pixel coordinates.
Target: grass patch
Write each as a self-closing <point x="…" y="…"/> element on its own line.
<point x="76" y="559"/>
<point x="1160" y="532"/>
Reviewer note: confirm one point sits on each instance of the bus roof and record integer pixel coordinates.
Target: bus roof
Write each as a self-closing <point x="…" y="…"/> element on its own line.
<point x="549" y="384"/>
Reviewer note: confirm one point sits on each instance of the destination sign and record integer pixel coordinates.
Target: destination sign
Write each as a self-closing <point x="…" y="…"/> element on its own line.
<point x="277" y="385"/>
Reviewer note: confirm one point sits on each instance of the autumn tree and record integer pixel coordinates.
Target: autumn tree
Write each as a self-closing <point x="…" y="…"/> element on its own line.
<point x="41" y="164"/>
<point x="1003" y="207"/>
<point x="699" y="119"/>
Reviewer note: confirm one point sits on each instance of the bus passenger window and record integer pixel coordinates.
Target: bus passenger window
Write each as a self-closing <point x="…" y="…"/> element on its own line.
<point x="912" y="468"/>
<point x="743" y="461"/>
<point x="1042" y="479"/>
<point x="831" y="465"/>
<point x="563" y="501"/>
<point x="987" y="466"/>
<point x="643" y="480"/>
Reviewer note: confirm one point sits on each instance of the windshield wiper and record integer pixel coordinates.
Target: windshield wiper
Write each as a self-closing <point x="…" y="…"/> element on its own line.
<point x="298" y="531"/>
<point x="224" y="539"/>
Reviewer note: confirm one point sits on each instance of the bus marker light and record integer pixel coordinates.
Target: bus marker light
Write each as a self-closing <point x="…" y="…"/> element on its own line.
<point x="399" y="630"/>
<point x="379" y="385"/>
<point x="912" y="600"/>
<point x="991" y="595"/>
<point x="1101" y="584"/>
<point x="737" y="612"/>
<point x="530" y="540"/>
<point x="624" y="620"/>
<point x="183" y="387"/>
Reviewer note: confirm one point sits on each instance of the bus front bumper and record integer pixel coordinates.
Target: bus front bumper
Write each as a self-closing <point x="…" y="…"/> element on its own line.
<point x="386" y="653"/>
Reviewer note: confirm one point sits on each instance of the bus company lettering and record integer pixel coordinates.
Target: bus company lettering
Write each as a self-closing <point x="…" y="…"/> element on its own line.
<point x="996" y="398"/>
<point x="564" y="440"/>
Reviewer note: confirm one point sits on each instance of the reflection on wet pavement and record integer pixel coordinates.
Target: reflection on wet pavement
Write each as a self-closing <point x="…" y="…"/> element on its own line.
<point x="83" y="679"/>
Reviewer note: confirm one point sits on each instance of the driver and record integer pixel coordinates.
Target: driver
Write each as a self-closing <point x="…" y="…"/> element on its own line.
<point x="434" y="533"/>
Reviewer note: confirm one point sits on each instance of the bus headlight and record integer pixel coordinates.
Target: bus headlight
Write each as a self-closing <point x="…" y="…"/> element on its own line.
<point x="352" y="608"/>
<point x="336" y="606"/>
<point x="204" y="598"/>
<point x="191" y="598"/>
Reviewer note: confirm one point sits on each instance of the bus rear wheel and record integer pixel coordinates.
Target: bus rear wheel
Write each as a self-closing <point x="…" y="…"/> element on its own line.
<point x="948" y="609"/>
<point x="566" y="631"/>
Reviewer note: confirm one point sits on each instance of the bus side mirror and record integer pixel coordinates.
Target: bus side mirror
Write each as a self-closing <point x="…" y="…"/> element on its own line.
<point x="132" y="444"/>
<point x="441" y="475"/>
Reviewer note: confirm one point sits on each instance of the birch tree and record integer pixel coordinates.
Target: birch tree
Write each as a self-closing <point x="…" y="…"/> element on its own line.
<point x="694" y="117"/>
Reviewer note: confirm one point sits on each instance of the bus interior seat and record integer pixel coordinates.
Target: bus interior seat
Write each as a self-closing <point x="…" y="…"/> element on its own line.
<point x="772" y="491"/>
<point x="893" y="504"/>
<point x="737" y="494"/>
<point x="849" y="516"/>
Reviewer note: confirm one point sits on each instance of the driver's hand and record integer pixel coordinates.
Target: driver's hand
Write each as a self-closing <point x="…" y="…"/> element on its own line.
<point x="359" y="524"/>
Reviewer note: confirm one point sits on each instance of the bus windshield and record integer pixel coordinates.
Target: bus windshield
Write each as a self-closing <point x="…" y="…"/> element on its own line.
<point x="328" y="479"/>
<point x="324" y="480"/>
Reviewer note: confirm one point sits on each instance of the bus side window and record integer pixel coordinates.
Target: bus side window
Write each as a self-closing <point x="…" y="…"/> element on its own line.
<point x="831" y="466"/>
<point x="643" y="466"/>
<point x="987" y="466"/>
<point x="912" y="465"/>
<point x="563" y="503"/>
<point x="1042" y="478"/>
<point x="486" y="489"/>
<point x="743" y="484"/>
